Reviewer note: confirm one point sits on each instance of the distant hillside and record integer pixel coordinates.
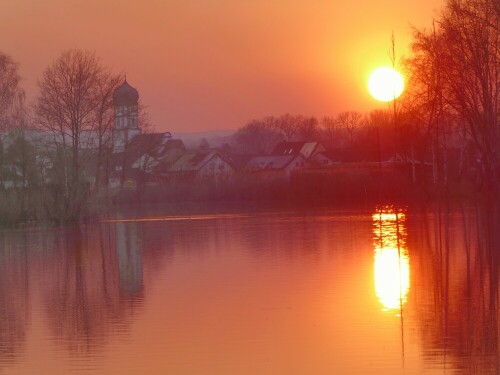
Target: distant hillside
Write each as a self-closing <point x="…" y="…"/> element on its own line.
<point x="215" y="138"/>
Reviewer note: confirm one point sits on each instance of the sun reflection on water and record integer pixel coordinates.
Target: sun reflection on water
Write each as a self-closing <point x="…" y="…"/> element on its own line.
<point x="392" y="265"/>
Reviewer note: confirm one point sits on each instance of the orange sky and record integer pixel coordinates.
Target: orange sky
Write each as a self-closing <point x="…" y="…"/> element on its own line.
<point x="214" y="64"/>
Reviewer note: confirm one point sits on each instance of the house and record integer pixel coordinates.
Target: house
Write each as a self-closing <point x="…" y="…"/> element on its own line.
<point x="199" y="165"/>
<point x="276" y="165"/>
<point x="322" y="160"/>
<point x="157" y="151"/>
<point x="314" y="153"/>
<point x="144" y="154"/>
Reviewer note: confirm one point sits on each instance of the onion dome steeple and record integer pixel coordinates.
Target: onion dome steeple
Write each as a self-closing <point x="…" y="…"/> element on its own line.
<point x="125" y="95"/>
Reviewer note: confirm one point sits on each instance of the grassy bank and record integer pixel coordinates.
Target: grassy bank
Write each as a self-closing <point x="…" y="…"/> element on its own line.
<point x="304" y="191"/>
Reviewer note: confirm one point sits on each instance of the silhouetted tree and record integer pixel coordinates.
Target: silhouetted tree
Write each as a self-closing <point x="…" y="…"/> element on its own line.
<point x="306" y="129"/>
<point x="74" y="98"/>
<point x="330" y="132"/>
<point x="257" y="137"/>
<point x="204" y="145"/>
<point x="458" y="67"/>
<point x="260" y="136"/>
<point x="350" y="121"/>
<point x="11" y="95"/>
<point x="104" y="121"/>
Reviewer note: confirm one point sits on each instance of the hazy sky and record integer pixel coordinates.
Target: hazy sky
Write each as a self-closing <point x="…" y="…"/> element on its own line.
<point x="215" y="64"/>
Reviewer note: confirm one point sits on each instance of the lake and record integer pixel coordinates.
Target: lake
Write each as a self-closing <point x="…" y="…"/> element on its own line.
<point x="388" y="290"/>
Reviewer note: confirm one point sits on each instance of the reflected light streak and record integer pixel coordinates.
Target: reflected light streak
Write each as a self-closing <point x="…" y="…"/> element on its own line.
<point x="177" y="218"/>
<point x="392" y="264"/>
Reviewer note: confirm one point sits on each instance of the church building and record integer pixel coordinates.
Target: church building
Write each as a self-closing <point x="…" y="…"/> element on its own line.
<point x="125" y="100"/>
<point x="136" y="154"/>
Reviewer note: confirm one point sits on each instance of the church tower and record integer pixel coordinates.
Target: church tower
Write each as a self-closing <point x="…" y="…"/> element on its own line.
<point x="125" y="100"/>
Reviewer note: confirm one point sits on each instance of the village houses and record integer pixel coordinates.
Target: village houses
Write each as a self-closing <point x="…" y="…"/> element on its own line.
<point x="136" y="157"/>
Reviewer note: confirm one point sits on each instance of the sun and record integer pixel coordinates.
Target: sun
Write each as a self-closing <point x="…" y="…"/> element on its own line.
<point x="386" y="84"/>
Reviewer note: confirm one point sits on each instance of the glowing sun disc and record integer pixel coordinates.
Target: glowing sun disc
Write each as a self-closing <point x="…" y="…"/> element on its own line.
<point x="386" y="84"/>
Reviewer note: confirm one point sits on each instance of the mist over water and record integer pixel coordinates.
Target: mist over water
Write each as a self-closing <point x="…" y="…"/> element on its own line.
<point x="389" y="290"/>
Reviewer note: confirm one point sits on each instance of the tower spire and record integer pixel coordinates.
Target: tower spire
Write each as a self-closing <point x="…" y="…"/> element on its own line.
<point x="125" y="100"/>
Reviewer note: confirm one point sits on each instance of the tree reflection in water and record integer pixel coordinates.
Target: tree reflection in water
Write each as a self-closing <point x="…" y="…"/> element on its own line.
<point x="86" y="285"/>
<point x="14" y="301"/>
<point x="457" y="304"/>
<point x="89" y="280"/>
<point x="96" y="284"/>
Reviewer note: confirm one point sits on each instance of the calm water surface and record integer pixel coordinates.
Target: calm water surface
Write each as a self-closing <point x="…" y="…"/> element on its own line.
<point x="387" y="291"/>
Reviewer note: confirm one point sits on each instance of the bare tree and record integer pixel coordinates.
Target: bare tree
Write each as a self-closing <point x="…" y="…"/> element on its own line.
<point x="425" y="100"/>
<point x="104" y="121"/>
<point x="257" y="137"/>
<point x="74" y="98"/>
<point x="286" y="125"/>
<point x="330" y="131"/>
<point x="204" y="145"/>
<point x="350" y="121"/>
<point x="471" y="30"/>
<point x="13" y="116"/>
<point x="306" y="128"/>
<point x="464" y="52"/>
<point x="11" y="95"/>
<point x="295" y="128"/>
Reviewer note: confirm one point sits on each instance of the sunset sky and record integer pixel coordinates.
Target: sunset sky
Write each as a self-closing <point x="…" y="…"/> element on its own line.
<point x="212" y="64"/>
